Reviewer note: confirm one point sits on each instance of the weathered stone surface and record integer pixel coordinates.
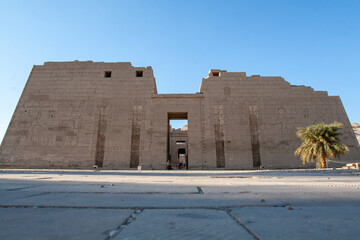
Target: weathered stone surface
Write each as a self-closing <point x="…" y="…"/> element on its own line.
<point x="80" y="114"/>
<point x="159" y="204"/>
<point x="315" y="222"/>
<point x="175" y="224"/>
<point x="48" y="223"/>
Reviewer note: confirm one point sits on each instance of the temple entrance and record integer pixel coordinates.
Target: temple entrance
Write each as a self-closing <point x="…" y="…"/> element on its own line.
<point x="177" y="157"/>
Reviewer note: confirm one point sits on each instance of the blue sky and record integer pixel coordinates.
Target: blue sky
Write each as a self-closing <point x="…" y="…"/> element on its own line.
<point x="314" y="43"/>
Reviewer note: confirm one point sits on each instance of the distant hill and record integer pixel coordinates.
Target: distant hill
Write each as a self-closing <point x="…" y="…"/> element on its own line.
<point x="356" y="127"/>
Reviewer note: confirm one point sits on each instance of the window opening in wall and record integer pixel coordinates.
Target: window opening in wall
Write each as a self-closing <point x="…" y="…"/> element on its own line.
<point x="179" y="125"/>
<point x="216" y="74"/>
<point x="107" y="74"/>
<point x="177" y="156"/>
<point x="139" y="73"/>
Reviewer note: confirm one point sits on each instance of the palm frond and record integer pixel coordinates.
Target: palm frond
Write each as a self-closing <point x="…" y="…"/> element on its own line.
<point x="320" y="140"/>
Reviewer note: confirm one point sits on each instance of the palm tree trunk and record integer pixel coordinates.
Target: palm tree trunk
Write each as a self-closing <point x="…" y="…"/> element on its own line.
<point x="323" y="160"/>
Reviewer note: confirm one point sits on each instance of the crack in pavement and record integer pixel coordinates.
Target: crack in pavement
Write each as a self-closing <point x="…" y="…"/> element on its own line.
<point x="127" y="221"/>
<point x="35" y="195"/>
<point x="237" y="220"/>
<point x="21" y="188"/>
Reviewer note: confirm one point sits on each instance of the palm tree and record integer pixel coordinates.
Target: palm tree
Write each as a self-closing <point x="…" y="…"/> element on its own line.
<point x="320" y="142"/>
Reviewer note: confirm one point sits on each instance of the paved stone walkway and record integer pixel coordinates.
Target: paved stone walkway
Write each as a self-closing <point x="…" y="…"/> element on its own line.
<point x="296" y="204"/>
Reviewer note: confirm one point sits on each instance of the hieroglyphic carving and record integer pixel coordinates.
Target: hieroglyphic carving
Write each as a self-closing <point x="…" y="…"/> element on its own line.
<point x="30" y="129"/>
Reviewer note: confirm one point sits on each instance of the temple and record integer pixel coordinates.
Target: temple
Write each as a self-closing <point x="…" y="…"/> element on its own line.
<point x="81" y="114"/>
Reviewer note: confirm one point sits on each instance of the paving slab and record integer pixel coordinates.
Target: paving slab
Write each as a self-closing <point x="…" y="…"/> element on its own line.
<point x="183" y="224"/>
<point x="240" y="197"/>
<point x="9" y="198"/>
<point x="11" y="186"/>
<point x="118" y="188"/>
<point x="134" y="200"/>
<point x="301" y="222"/>
<point x="57" y="224"/>
<point x="35" y="204"/>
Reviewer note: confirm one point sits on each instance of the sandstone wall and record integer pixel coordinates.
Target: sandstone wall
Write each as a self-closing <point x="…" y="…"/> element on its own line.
<point x="75" y="115"/>
<point x="258" y="118"/>
<point x="71" y="116"/>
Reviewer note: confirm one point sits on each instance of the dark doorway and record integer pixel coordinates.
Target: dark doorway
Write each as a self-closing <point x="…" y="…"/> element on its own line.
<point x="181" y="151"/>
<point x="181" y="158"/>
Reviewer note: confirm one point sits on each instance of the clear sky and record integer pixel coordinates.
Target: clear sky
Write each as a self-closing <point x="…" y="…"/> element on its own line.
<point x="314" y="43"/>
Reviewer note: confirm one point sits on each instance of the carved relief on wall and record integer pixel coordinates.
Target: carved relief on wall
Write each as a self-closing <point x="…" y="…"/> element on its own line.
<point x="285" y="133"/>
<point x="31" y="127"/>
